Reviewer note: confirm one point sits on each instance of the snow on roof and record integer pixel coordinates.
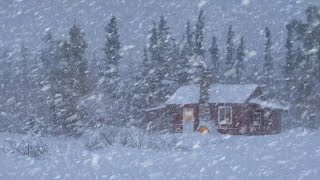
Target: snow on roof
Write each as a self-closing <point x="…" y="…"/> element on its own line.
<point x="189" y="94"/>
<point x="219" y="93"/>
<point x="155" y="108"/>
<point x="231" y="93"/>
<point x="270" y="105"/>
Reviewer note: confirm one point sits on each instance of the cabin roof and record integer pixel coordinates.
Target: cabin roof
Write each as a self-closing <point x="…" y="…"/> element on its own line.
<point x="231" y="93"/>
<point x="270" y="104"/>
<point x="219" y="93"/>
<point x="189" y="94"/>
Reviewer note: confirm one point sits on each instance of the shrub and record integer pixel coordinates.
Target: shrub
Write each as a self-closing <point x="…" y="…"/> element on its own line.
<point x="134" y="138"/>
<point x="31" y="147"/>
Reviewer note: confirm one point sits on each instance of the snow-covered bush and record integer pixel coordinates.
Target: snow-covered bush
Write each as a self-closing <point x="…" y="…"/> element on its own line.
<point x="32" y="147"/>
<point x="94" y="143"/>
<point x="134" y="138"/>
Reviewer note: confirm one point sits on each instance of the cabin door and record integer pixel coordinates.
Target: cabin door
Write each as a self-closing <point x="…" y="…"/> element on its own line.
<point x="188" y="120"/>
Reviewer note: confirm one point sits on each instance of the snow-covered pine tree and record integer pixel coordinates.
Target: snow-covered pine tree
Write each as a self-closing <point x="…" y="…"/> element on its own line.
<point x="64" y="100"/>
<point x="215" y="59"/>
<point x="71" y="82"/>
<point x="112" y="52"/>
<point x="186" y="53"/>
<point x="199" y="35"/>
<point x="178" y="68"/>
<point x="197" y="62"/>
<point x="289" y="64"/>
<point x="268" y="63"/>
<point x="153" y="78"/>
<point x="229" y="69"/>
<point x="48" y="69"/>
<point x="189" y="45"/>
<point x="239" y="65"/>
<point x="6" y="76"/>
<point x="306" y="66"/>
<point x="165" y="60"/>
<point x="78" y="48"/>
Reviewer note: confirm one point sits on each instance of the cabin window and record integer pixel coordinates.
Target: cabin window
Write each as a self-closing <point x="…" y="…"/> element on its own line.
<point x="225" y="115"/>
<point x="257" y="118"/>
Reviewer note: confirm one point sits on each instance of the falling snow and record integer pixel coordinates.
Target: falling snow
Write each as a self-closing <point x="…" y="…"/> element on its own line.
<point x="152" y="89"/>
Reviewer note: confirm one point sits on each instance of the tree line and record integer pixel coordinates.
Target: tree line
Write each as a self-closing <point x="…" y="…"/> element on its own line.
<point x="60" y="91"/>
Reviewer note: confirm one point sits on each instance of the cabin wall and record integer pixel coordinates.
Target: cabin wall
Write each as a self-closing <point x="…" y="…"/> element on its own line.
<point x="239" y="119"/>
<point x="242" y="120"/>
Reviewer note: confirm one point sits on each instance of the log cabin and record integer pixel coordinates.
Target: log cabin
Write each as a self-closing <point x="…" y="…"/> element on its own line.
<point x="235" y="109"/>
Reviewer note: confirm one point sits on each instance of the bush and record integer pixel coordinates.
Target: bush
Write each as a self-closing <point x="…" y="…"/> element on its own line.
<point x="31" y="147"/>
<point x="94" y="144"/>
<point x="109" y="136"/>
<point x="134" y="138"/>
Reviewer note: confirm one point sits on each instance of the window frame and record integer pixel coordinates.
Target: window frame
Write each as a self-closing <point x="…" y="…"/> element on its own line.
<point x="254" y="118"/>
<point x="226" y="108"/>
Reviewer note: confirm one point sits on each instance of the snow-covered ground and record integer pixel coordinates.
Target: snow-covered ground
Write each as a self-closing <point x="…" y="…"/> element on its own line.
<point x="292" y="155"/>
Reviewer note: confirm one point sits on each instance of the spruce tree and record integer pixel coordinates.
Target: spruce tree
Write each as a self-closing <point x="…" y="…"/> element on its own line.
<point x="313" y="15"/>
<point x="215" y="59"/>
<point x="230" y="73"/>
<point x="239" y="63"/>
<point x="199" y="35"/>
<point x="71" y="82"/>
<point x="112" y="52"/>
<point x="49" y="65"/>
<point x="153" y="79"/>
<point x="163" y="49"/>
<point x="302" y="66"/>
<point x="189" y="46"/>
<point x="187" y="52"/>
<point x="145" y="63"/>
<point x="65" y="99"/>
<point x="290" y="54"/>
<point x="165" y="61"/>
<point x="230" y="48"/>
<point x="78" y="48"/>
<point x="268" y="60"/>
<point x="197" y="62"/>
<point x="153" y="44"/>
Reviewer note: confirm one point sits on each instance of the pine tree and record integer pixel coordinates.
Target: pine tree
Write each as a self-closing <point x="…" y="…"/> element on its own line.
<point x="145" y="63"/>
<point x="197" y="62"/>
<point x="313" y="15"/>
<point x="163" y="49"/>
<point x="215" y="59"/>
<point x="112" y="51"/>
<point x="268" y="60"/>
<point x="199" y="35"/>
<point x="240" y="60"/>
<point x="290" y="54"/>
<point x="230" y="48"/>
<point x="165" y="61"/>
<point x="179" y="66"/>
<point x="187" y="52"/>
<point x="49" y="65"/>
<point x="153" y="79"/>
<point x="230" y="73"/>
<point x="71" y="82"/>
<point x="189" y="46"/>
<point x="153" y="44"/>
<point x="78" y="48"/>
<point x="302" y="66"/>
